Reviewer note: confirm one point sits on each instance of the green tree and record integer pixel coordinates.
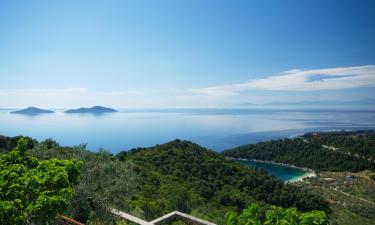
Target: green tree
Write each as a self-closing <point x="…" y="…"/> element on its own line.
<point x="33" y="191"/>
<point x="106" y="184"/>
<point x="249" y="216"/>
<point x="276" y="216"/>
<point x="281" y="216"/>
<point x="314" y="217"/>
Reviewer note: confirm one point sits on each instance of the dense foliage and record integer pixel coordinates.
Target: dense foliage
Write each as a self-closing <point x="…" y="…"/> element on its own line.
<point x="105" y="182"/>
<point x="9" y="143"/>
<point x="33" y="191"/>
<point x="330" y="151"/>
<point x="252" y="215"/>
<point x="360" y="143"/>
<point x="183" y="176"/>
<point x="180" y="175"/>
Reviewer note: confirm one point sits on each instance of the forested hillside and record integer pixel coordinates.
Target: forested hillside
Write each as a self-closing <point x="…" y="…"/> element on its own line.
<point x="360" y="144"/>
<point x="184" y="176"/>
<point x="327" y="151"/>
<point x="180" y="175"/>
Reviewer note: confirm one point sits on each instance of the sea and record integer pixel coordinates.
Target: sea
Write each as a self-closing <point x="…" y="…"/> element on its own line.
<point x="282" y="172"/>
<point x="216" y="129"/>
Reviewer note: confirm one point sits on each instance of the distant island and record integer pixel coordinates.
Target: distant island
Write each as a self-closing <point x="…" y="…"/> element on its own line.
<point x="32" y="111"/>
<point x="93" y="110"/>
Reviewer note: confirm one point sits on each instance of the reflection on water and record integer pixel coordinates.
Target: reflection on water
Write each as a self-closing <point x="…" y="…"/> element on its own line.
<point x="217" y="129"/>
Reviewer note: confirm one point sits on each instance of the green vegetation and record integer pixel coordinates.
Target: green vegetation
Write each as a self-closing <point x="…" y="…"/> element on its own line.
<point x="105" y="181"/>
<point x="330" y="151"/>
<point x="351" y="196"/>
<point x="361" y="143"/>
<point x="183" y="176"/>
<point x="253" y="215"/>
<point x="33" y="191"/>
<point x="9" y="143"/>
<point x="180" y="175"/>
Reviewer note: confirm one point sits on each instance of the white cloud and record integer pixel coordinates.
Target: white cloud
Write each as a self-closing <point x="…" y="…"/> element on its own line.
<point x="301" y="80"/>
<point x="215" y="96"/>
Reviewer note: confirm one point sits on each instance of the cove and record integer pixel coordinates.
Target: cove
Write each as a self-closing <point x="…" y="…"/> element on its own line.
<point x="282" y="172"/>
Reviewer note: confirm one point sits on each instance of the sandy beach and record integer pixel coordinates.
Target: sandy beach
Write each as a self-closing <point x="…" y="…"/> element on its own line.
<point x="309" y="174"/>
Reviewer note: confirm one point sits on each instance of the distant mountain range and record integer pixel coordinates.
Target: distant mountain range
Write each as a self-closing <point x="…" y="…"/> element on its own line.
<point x="93" y="110"/>
<point x="32" y="111"/>
<point x="327" y="102"/>
<point x="366" y="103"/>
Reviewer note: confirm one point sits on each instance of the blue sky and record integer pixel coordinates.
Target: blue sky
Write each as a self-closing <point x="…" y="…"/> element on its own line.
<point x="185" y="53"/>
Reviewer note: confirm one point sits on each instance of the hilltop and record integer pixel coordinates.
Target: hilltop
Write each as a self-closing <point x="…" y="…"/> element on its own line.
<point x="32" y="111"/>
<point x="93" y="110"/>
<point x="205" y="183"/>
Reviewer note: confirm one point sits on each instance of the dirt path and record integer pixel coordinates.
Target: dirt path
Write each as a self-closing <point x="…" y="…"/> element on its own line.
<point x="347" y="194"/>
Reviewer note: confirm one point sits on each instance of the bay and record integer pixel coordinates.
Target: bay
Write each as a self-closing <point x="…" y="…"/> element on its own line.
<point x="283" y="172"/>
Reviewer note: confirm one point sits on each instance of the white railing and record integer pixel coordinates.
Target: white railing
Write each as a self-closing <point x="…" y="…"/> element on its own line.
<point x="172" y="216"/>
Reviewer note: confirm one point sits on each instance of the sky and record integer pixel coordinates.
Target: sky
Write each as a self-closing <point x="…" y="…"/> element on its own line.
<point x="188" y="53"/>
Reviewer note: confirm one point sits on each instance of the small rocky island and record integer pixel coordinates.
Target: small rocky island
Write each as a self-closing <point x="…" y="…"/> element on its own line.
<point x="92" y="110"/>
<point x="32" y="111"/>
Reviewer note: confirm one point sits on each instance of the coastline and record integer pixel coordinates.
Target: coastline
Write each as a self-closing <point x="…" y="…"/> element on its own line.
<point x="309" y="172"/>
<point x="301" y="178"/>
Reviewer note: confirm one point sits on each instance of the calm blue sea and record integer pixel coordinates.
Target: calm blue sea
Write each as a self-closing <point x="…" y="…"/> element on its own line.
<point x="217" y="129"/>
<point x="285" y="173"/>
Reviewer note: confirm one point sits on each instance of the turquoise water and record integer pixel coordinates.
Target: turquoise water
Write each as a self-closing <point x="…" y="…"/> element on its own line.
<point x="217" y="129"/>
<point x="282" y="172"/>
